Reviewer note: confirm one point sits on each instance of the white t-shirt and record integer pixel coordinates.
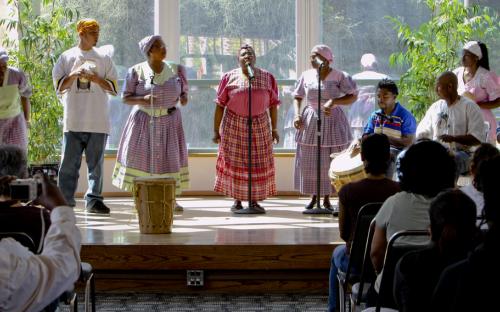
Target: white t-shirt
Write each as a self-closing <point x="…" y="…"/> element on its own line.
<point x="461" y="118"/>
<point x="404" y="211"/>
<point x="85" y="103"/>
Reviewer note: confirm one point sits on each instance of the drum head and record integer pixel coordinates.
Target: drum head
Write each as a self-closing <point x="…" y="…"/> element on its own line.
<point x="345" y="163"/>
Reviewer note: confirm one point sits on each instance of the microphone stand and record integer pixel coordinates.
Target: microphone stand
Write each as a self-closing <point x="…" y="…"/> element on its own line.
<point x="151" y="128"/>
<point x="249" y="209"/>
<point x="318" y="209"/>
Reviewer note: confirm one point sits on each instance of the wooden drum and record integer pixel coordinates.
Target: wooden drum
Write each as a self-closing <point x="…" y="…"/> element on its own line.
<point x="345" y="168"/>
<point x="155" y="201"/>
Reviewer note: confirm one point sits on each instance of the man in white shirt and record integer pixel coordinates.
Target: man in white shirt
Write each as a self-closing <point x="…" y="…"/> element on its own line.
<point x="30" y="282"/>
<point x="83" y="77"/>
<point x="454" y="120"/>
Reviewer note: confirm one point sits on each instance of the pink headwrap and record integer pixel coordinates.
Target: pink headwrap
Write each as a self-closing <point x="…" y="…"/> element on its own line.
<point x="324" y="51"/>
<point x="146" y="43"/>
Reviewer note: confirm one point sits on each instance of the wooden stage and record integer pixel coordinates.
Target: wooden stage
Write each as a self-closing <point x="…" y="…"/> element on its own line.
<point x="281" y="251"/>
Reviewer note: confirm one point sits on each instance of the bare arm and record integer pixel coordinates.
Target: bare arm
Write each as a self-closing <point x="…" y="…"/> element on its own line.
<point x="466" y="139"/>
<point x="404" y="141"/>
<point x="297" y="120"/>
<point x="137" y="99"/>
<point x="25" y="102"/>
<point x="101" y="82"/>
<point x="273" y="113"/>
<point x="490" y="104"/>
<point x="344" y="100"/>
<point x="219" y="113"/>
<point x="379" y="245"/>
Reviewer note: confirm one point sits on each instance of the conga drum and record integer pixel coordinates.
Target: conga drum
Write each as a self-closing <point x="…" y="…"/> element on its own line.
<point x="345" y="168"/>
<point x="155" y="201"/>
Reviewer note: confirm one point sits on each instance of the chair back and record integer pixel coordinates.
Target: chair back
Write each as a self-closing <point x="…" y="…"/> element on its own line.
<point x="21" y="237"/>
<point x="367" y="271"/>
<point x="393" y="253"/>
<point x="365" y="216"/>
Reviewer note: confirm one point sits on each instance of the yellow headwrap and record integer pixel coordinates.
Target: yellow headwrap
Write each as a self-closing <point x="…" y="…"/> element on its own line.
<point x="87" y="24"/>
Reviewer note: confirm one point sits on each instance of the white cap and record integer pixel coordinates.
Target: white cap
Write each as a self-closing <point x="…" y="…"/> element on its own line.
<point x="368" y="61"/>
<point x="474" y="48"/>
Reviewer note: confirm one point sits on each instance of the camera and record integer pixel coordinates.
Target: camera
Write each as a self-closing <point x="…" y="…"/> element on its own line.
<point x="25" y="189"/>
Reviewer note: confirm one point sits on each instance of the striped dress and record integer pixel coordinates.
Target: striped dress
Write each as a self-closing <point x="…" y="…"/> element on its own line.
<point x="232" y="159"/>
<point x="13" y="129"/>
<point x="170" y="156"/>
<point x="335" y="129"/>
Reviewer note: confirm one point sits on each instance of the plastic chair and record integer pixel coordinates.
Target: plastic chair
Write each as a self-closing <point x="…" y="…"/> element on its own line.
<point x="356" y="255"/>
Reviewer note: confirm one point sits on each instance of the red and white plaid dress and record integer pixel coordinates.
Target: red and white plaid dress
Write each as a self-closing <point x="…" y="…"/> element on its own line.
<point x="232" y="160"/>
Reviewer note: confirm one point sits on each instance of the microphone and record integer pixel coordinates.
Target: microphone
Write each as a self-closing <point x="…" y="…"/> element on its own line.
<point x="250" y="71"/>
<point x="318" y="61"/>
<point x="152" y="79"/>
<point x="383" y="117"/>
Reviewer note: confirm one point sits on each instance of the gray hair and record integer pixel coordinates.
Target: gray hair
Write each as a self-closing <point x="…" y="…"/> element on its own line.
<point x="13" y="161"/>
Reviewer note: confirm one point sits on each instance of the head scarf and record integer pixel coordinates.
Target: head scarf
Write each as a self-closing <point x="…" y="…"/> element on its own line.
<point x="474" y="48"/>
<point x="4" y="56"/>
<point x="324" y="51"/>
<point x="87" y="24"/>
<point x="146" y="43"/>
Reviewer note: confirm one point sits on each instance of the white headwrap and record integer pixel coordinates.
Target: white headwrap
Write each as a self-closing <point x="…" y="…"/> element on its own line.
<point x="146" y="43"/>
<point x="474" y="48"/>
<point x="4" y="56"/>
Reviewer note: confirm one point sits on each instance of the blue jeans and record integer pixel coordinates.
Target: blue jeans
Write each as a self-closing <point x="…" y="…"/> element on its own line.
<point x="340" y="260"/>
<point x="74" y="144"/>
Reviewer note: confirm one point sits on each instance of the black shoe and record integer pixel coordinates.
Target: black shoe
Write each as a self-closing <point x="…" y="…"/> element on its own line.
<point x="98" y="207"/>
<point x="236" y="206"/>
<point x="333" y="209"/>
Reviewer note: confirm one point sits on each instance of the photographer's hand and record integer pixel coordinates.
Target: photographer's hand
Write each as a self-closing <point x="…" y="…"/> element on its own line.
<point x="51" y="196"/>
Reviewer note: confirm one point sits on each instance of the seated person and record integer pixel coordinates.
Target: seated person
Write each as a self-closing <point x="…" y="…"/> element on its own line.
<point x="472" y="284"/>
<point x="425" y="170"/>
<point x="29" y="281"/>
<point x="393" y="120"/>
<point x="454" y="120"/>
<point x="15" y="217"/>
<point x="453" y="218"/>
<point x="376" y="187"/>
<point x="485" y="151"/>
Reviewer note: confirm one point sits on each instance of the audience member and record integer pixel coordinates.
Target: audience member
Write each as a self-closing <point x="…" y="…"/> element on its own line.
<point x="376" y="187"/>
<point x="425" y="170"/>
<point x="454" y="120"/>
<point x="29" y="282"/>
<point x="471" y="284"/>
<point x="484" y="152"/>
<point x="15" y="217"/>
<point x="452" y="215"/>
<point x="393" y="120"/>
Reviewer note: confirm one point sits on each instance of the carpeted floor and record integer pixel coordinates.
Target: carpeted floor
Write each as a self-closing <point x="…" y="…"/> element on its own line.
<point x="203" y="302"/>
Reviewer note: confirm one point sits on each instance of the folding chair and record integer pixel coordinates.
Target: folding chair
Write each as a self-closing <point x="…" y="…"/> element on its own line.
<point x="356" y="255"/>
<point x="393" y="253"/>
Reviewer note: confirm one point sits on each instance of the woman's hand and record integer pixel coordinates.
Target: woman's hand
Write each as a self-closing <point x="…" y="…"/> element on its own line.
<point x="327" y="108"/>
<point x="183" y="98"/>
<point x="276" y="136"/>
<point x="216" y="138"/>
<point x="297" y="122"/>
<point x="147" y="99"/>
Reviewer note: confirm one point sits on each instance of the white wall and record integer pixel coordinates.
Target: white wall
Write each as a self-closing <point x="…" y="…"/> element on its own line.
<point x="202" y="175"/>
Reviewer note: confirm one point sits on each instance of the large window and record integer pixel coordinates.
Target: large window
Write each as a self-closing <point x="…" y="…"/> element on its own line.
<point x="212" y="32"/>
<point x="355" y="27"/>
<point x="123" y="24"/>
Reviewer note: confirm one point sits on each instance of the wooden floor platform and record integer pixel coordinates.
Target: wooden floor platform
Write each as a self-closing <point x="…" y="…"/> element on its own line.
<point x="283" y="250"/>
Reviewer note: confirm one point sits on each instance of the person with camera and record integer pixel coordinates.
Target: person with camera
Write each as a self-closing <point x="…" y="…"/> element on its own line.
<point x="30" y="281"/>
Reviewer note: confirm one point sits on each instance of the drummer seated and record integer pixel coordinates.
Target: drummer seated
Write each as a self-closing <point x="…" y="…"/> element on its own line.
<point x="454" y="120"/>
<point x="376" y="187"/>
<point x="393" y="120"/>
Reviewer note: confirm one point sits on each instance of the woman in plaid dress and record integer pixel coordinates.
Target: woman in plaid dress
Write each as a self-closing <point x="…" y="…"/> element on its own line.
<point x="337" y="88"/>
<point x="231" y="133"/>
<point x="169" y="84"/>
<point x="14" y="104"/>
